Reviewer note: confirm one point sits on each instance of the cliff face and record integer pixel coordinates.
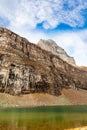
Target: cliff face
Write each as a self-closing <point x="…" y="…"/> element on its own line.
<point x="26" y="68"/>
<point x="51" y="46"/>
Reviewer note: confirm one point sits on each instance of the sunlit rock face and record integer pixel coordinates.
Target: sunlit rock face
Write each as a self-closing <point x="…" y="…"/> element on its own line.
<point x="26" y="68"/>
<point x="51" y="46"/>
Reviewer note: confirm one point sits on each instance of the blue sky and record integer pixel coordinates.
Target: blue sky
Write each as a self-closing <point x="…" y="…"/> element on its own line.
<point x="64" y="21"/>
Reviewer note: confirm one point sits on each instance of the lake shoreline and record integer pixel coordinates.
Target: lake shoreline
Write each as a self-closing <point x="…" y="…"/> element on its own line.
<point x="78" y="128"/>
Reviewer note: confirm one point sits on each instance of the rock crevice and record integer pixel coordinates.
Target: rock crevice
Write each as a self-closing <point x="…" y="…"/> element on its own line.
<point x="26" y="68"/>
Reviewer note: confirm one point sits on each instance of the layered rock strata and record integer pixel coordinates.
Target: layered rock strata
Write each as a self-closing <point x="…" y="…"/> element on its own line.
<point x="26" y="68"/>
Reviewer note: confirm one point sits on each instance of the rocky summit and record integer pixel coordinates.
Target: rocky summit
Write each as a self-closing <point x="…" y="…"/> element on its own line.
<point x="51" y="46"/>
<point x="26" y="68"/>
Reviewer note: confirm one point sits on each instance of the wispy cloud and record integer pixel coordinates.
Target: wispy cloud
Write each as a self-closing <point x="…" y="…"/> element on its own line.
<point x="75" y="43"/>
<point x="51" y="13"/>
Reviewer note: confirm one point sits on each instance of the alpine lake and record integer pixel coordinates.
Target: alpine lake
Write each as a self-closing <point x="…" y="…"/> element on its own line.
<point x="43" y="118"/>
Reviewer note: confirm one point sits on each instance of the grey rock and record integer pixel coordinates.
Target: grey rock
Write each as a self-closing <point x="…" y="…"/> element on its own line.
<point x="51" y="46"/>
<point x="26" y="68"/>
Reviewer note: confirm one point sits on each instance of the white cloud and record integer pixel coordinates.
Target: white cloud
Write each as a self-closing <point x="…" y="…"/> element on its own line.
<point x="75" y="43"/>
<point x="29" y="13"/>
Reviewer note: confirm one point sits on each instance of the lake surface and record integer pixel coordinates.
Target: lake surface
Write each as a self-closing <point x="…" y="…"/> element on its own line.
<point x="43" y="118"/>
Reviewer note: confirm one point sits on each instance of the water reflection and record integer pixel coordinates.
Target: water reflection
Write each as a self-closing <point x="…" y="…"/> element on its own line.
<point x="16" y="126"/>
<point x="42" y="119"/>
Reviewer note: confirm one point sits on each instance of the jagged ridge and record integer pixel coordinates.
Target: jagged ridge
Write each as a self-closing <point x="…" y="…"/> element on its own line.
<point x="51" y="46"/>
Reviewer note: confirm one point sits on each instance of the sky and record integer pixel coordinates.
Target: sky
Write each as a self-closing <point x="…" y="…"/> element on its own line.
<point x="64" y="21"/>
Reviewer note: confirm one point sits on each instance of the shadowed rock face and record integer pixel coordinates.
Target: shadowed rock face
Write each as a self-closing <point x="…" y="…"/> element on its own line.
<point x="50" y="45"/>
<point x="26" y="68"/>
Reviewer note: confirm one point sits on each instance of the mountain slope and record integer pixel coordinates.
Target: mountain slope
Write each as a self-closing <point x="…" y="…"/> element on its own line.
<point x="26" y="68"/>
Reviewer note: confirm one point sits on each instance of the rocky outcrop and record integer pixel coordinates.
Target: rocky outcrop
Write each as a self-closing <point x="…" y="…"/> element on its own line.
<point x="26" y="68"/>
<point x="51" y="46"/>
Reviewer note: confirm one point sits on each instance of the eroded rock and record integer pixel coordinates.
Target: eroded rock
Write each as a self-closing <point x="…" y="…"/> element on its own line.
<point x="26" y="68"/>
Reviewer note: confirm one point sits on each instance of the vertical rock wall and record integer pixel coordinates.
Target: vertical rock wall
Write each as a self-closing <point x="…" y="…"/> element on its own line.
<point x="26" y="68"/>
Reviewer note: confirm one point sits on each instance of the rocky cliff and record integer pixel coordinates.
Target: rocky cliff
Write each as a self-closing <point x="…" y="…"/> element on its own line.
<point x="26" y="68"/>
<point x="51" y="46"/>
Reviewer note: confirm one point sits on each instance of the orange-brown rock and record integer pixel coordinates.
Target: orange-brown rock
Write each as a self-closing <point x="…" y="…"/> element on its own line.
<point x="26" y="68"/>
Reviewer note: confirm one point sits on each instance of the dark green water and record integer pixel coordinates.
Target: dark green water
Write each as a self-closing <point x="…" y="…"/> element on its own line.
<point x="43" y="118"/>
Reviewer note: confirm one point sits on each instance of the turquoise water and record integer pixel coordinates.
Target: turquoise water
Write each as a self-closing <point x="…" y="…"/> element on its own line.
<point x="43" y="118"/>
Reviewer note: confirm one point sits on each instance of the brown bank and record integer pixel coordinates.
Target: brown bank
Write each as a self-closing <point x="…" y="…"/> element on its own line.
<point x="68" y="97"/>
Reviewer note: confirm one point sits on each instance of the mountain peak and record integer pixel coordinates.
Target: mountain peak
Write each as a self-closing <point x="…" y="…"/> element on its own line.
<point x="50" y="45"/>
